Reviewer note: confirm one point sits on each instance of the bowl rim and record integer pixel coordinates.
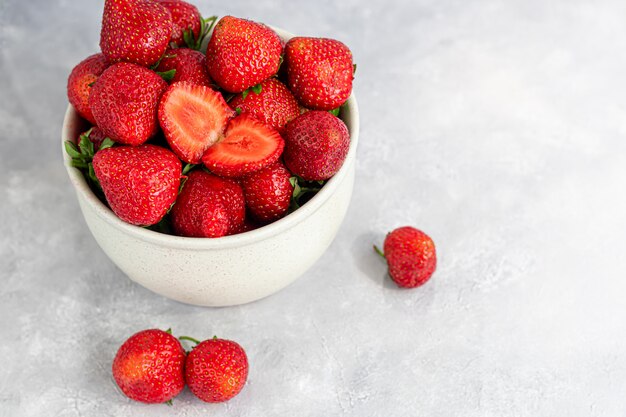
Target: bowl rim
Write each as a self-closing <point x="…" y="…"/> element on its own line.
<point x="224" y="242"/>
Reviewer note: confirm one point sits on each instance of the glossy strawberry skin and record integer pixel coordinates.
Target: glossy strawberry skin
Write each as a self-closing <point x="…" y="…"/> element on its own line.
<point x="274" y="105"/>
<point x="149" y="366"/>
<point x="136" y="31"/>
<point x="268" y="192"/>
<point x="216" y="370"/>
<point x="319" y="72"/>
<point x="140" y="183"/>
<point x="190" y="66"/>
<point x="208" y="206"/>
<point x="316" y="144"/>
<point x="80" y="80"/>
<point x="124" y="102"/>
<point x="411" y="256"/>
<point x="242" y="53"/>
<point x="185" y="17"/>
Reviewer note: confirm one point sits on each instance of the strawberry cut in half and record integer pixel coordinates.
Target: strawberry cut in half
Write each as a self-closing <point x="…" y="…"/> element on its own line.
<point x="248" y="145"/>
<point x="193" y="117"/>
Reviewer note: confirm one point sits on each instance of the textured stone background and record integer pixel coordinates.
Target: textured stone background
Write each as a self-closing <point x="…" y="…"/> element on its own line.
<point x="497" y="127"/>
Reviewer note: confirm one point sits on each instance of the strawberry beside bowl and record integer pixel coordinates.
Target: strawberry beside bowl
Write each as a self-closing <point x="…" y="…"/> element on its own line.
<point x="229" y="270"/>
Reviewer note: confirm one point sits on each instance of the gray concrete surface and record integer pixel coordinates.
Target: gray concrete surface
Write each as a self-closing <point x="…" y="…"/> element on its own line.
<point x="496" y="126"/>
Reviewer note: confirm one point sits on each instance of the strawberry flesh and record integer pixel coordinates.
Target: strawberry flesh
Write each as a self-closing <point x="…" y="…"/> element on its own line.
<point x="248" y="145"/>
<point x="193" y="118"/>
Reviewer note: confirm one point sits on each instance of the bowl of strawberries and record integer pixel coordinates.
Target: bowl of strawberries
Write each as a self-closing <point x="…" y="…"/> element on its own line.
<point x="213" y="160"/>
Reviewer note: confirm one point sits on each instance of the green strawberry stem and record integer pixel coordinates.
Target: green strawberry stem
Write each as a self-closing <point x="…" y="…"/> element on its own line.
<point x="188" y="168"/>
<point x="302" y="191"/>
<point x="169" y="403"/>
<point x="205" y="27"/>
<point x="189" y="338"/>
<point x="378" y="251"/>
<point x="82" y="155"/>
<point x="167" y="75"/>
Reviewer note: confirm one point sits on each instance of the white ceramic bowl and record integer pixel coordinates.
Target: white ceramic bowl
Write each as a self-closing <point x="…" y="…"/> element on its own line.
<point x="228" y="270"/>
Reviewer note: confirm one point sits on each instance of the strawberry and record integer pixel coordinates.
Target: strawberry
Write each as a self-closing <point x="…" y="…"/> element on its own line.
<point x="140" y="183"/>
<point x="274" y="105"/>
<point x="80" y="81"/>
<point x="208" y="206"/>
<point x="410" y="255"/>
<point x="193" y="118"/>
<point x="149" y="366"/>
<point x="242" y="53"/>
<point x="124" y="102"/>
<point x="247" y="146"/>
<point x="319" y="72"/>
<point x="268" y="192"/>
<point x="216" y="370"/>
<point x="190" y="66"/>
<point x="185" y="17"/>
<point x="136" y="31"/>
<point x="316" y="144"/>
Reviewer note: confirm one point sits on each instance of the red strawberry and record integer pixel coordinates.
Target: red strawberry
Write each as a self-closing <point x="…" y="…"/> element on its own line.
<point x="274" y="105"/>
<point x="316" y="144"/>
<point x="410" y="255"/>
<point x="268" y="192"/>
<point x="193" y="118"/>
<point x="80" y="81"/>
<point x="140" y="183"/>
<point x="124" y="102"/>
<point x="319" y="72"/>
<point x="136" y="31"/>
<point x="208" y="206"/>
<point x="216" y="370"/>
<point x="242" y="53"/>
<point x="149" y="366"/>
<point x="185" y="17"/>
<point x="95" y="135"/>
<point x="190" y="66"/>
<point x="248" y="145"/>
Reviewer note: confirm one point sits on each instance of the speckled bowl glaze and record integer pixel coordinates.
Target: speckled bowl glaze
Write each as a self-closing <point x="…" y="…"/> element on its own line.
<point x="228" y="270"/>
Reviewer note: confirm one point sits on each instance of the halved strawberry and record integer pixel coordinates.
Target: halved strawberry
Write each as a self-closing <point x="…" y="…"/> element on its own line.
<point x="193" y="118"/>
<point x="248" y="145"/>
